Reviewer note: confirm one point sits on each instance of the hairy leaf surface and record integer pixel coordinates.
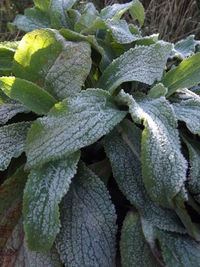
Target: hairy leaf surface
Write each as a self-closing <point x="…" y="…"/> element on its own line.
<point x="72" y="124"/>
<point x="164" y="167"/>
<point x="46" y="58"/>
<point x="135" y="251"/>
<point x="143" y="64"/>
<point x="29" y="94"/>
<point x="12" y="142"/>
<point x="123" y="150"/>
<point x="44" y="190"/>
<point x="87" y="236"/>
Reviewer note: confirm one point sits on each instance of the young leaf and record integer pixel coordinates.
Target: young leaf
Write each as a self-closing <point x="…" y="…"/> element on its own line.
<point x="143" y="64"/>
<point x="29" y="94"/>
<point x="188" y="109"/>
<point x="72" y="124"/>
<point x="87" y="235"/>
<point x="163" y="165"/>
<point x="123" y="150"/>
<point x="42" y="4"/>
<point x="179" y="250"/>
<point x="32" y="19"/>
<point x="44" y="190"/>
<point x="12" y="142"/>
<point x="134" y="249"/>
<point x="16" y="253"/>
<point x="186" y="75"/>
<point x="11" y="194"/>
<point x="157" y="91"/>
<point x="46" y="58"/>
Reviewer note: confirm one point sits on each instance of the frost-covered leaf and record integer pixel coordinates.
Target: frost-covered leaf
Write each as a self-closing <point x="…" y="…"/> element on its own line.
<point x="9" y="108"/>
<point x="17" y="254"/>
<point x="42" y="4"/>
<point x="143" y="64"/>
<point x="58" y="12"/>
<point x="32" y="19"/>
<point x="59" y="66"/>
<point x="157" y="91"/>
<point x="44" y="190"/>
<point x="135" y="251"/>
<point x="102" y="169"/>
<point x="184" y="48"/>
<point x="72" y="124"/>
<point x="29" y="94"/>
<point x="163" y="165"/>
<point x="123" y="150"/>
<point x="115" y="11"/>
<point x="12" y="142"/>
<point x="11" y="194"/>
<point x="188" y="109"/>
<point x="186" y="75"/>
<point x="87" y="235"/>
<point x="179" y="250"/>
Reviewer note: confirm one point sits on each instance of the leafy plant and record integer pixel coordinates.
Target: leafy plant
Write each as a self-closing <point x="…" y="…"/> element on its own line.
<point x="109" y="123"/>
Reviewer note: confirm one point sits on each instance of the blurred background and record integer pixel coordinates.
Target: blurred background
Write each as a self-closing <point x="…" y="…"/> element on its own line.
<point x="173" y="19"/>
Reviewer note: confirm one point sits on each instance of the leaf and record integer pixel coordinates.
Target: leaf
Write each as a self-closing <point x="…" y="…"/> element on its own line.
<point x="87" y="236"/>
<point x="143" y="64"/>
<point x="6" y="60"/>
<point x="72" y="124"/>
<point x="44" y="190"/>
<point x="102" y="169"/>
<point x="58" y="12"/>
<point x="186" y="75"/>
<point x="32" y="19"/>
<point x="10" y="45"/>
<point x="11" y="194"/>
<point x="188" y="109"/>
<point x="117" y="10"/>
<point x="133" y="246"/>
<point x="9" y="108"/>
<point x="123" y="149"/>
<point x="59" y="66"/>
<point x="29" y="94"/>
<point x="157" y="91"/>
<point x="163" y="165"/>
<point x="12" y="142"/>
<point x="184" y="48"/>
<point x="179" y="250"/>
<point x="43" y="5"/>
<point x="16" y="253"/>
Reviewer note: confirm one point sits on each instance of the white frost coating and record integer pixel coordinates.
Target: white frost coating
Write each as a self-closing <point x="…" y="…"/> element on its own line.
<point x="87" y="236"/>
<point x="44" y="190"/>
<point x="164" y="167"/>
<point x="142" y="63"/>
<point x="9" y="110"/>
<point x="74" y="123"/>
<point x="12" y="142"/>
<point x="20" y="255"/>
<point x="188" y="110"/>
<point x="122" y="151"/>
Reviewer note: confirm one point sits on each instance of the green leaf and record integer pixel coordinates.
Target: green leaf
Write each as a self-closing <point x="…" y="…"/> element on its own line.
<point x="32" y="19"/>
<point x="12" y="142"/>
<point x="143" y="64"/>
<point x="117" y="10"/>
<point x="11" y="194"/>
<point x="179" y="250"/>
<point x="186" y="75"/>
<point x="58" y="12"/>
<point x="6" y="60"/>
<point x="157" y="91"/>
<point x="29" y="94"/>
<point x="44" y="190"/>
<point x="88" y="232"/>
<point x="102" y="169"/>
<point x="10" y="45"/>
<point x="17" y="253"/>
<point x="135" y="251"/>
<point x="59" y="66"/>
<point x="42" y="4"/>
<point x="163" y="165"/>
<point x="123" y="149"/>
<point x="72" y="124"/>
<point x="188" y="109"/>
<point x="184" y="48"/>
